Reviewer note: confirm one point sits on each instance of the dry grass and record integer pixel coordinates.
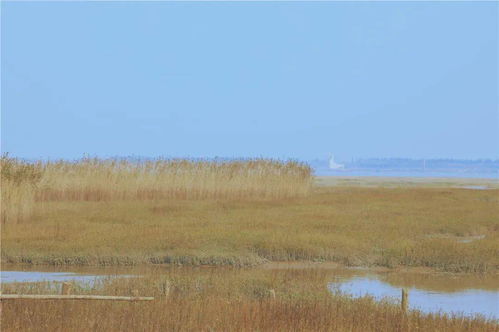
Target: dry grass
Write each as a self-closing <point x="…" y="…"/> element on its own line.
<point x="104" y="180"/>
<point x="112" y="212"/>
<point x="387" y="227"/>
<point x="19" y="182"/>
<point x="222" y="300"/>
<point x="96" y="180"/>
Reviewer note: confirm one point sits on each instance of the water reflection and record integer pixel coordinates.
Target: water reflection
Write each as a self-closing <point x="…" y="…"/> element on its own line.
<point x="35" y="276"/>
<point x="465" y="301"/>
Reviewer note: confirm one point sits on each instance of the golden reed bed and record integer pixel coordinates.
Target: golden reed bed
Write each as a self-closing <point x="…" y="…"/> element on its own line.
<point x="88" y="179"/>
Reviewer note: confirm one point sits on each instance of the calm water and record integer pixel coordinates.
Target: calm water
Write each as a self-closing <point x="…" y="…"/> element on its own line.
<point x="447" y="293"/>
<point x="475" y="187"/>
<point x="468" y="301"/>
<point x="38" y="276"/>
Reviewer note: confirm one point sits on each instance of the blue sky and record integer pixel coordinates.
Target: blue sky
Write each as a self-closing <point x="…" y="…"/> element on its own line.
<point x="281" y="79"/>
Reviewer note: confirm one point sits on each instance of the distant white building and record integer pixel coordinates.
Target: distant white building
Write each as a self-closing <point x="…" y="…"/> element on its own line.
<point x="334" y="165"/>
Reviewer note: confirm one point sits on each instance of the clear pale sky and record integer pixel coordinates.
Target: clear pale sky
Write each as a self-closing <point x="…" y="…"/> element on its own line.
<point x="281" y="79"/>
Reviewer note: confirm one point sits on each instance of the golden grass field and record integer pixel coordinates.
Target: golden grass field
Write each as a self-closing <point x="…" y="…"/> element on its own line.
<point x="96" y="212"/>
<point x="221" y="299"/>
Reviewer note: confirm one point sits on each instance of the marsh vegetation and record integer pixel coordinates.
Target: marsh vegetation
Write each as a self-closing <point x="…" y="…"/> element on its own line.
<point x="221" y="299"/>
<point x="232" y="213"/>
<point x="111" y="212"/>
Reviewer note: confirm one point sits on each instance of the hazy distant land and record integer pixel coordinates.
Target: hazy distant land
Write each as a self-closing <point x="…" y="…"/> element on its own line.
<point x="400" y="167"/>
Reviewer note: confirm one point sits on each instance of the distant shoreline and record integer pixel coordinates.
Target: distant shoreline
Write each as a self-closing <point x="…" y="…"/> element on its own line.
<point x="394" y="181"/>
<point x="406" y="174"/>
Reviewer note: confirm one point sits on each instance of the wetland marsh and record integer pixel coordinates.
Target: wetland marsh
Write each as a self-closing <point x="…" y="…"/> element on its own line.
<point x="306" y="255"/>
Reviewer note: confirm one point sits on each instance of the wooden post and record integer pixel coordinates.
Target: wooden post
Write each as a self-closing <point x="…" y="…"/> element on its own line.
<point x="165" y="288"/>
<point x="66" y="288"/>
<point x="405" y="300"/>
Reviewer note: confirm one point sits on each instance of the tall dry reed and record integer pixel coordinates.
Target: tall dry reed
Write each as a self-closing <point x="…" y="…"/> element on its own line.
<point x="18" y="188"/>
<point x="92" y="179"/>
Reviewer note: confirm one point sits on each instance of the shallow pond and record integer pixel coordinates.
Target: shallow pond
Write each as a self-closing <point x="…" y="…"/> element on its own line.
<point x="38" y="276"/>
<point x="469" y="301"/>
<point x="476" y="187"/>
<point x="428" y="292"/>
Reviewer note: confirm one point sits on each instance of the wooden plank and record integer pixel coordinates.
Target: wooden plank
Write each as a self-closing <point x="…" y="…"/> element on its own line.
<point x="73" y="297"/>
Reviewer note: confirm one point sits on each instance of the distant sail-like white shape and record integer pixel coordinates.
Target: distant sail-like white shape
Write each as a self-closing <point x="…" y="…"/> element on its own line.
<point x="334" y="165"/>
